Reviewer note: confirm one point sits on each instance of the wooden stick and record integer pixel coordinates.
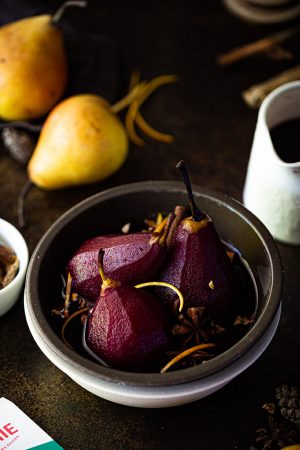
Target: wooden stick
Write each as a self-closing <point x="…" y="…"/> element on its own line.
<point x="180" y="212"/>
<point x="253" y="48"/>
<point x="256" y="94"/>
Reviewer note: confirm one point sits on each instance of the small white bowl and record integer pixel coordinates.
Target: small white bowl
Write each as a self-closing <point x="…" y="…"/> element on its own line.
<point x="264" y="11"/>
<point x="13" y="239"/>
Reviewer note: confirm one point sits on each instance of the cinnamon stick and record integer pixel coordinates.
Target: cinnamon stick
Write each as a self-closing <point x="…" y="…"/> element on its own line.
<point x="257" y="93"/>
<point x="180" y="212"/>
<point x="260" y="46"/>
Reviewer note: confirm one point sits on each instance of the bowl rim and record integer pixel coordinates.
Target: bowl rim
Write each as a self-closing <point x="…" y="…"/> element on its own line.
<point x="20" y="249"/>
<point x="94" y="369"/>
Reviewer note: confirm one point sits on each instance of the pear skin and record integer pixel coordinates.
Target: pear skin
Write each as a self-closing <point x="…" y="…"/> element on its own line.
<point x="33" y="68"/>
<point x="128" y="328"/>
<point x="200" y="268"/>
<point x="130" y="258"/>
<point x="81" y="142"/>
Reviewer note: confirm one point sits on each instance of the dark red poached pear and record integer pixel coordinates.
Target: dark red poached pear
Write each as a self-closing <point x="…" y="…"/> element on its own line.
<point x="198" y="264"/>
<point x="129" y="258"/>
<point x="128" y="328"/>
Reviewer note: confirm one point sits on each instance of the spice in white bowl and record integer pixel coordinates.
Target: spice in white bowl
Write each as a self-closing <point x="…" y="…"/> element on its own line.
<point x="9" y="265"/>
<point x="13" y="265"/>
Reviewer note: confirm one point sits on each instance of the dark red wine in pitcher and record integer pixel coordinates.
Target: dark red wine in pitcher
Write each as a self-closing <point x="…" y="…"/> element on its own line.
<point x="286" y="140"/>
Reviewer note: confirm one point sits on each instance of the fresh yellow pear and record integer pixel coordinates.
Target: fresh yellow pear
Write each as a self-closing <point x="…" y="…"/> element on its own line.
<point x="292" y="447"/>
<point x="82" y="141"/>
<point x="33" y="66"/>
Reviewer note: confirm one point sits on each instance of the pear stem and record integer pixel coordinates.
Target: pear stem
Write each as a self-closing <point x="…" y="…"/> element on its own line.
<point x="59" y="13"/>
<point x="164" y="284"/>
<point x="197" y="214"/>
<point x="100" y="266"/>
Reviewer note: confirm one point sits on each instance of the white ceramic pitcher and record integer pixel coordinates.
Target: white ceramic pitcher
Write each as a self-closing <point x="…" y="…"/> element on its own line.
<point x="272" y="186"/>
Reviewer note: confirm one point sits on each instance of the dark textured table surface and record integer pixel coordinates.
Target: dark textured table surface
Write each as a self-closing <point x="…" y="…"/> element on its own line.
<point x="214" y="131"/>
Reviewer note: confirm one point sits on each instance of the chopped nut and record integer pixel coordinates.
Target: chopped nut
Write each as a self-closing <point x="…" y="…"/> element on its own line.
<point x="125" y="228"/>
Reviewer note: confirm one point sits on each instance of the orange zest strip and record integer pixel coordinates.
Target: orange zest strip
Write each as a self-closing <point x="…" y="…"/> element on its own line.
<point x="129" y="124"/>
<point x="159" y="228"/>
<point x="127" y="100"/>
<point x="164" y="284"/>
<point x="137" y="102"/>
<point x="187" y="352"/>
<point x="76" y="313"/>
<point x="134" y="79"/>
<point x="230" y="254"/>
<point x="151" y="132"/>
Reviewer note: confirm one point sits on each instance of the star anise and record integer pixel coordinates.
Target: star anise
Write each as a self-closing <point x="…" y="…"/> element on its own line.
<point x="194" y="327"/>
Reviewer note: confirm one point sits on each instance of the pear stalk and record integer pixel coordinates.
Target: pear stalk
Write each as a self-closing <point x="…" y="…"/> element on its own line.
<point x="100" y="266"/>
<point x="59" y="13"/>
<point x="197" y="214"/>
<point x="106" y="282"/>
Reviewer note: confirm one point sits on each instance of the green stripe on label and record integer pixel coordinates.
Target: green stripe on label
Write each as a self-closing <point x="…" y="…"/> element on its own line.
<point x="52" y="445"/>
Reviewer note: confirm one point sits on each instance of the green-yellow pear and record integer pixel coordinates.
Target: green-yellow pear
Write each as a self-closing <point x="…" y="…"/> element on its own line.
<point x="82" y="142"/>
<point x="33" y="68"/>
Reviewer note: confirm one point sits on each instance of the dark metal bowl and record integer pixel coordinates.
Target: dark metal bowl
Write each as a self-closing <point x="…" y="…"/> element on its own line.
<point x="108" y="211"/>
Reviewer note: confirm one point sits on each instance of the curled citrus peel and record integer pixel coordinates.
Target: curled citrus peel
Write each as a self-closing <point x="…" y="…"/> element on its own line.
<point x="159" y="218"/>
<point x="161" y="223"/>
<point x="138" y="94"/>
<point x="148" y="130"/>
<point x="135" y="78"/>
<point x="164" y="284"/>
<point x="128" y="99"/>
<point x="186" y="353"/>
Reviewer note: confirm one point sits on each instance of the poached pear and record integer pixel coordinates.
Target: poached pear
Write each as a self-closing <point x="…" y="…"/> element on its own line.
<point x="128" y="329"/>
<point x="81" y="142"/>
<point x="198" y="264"/>
<point x="130" y="258"/>
<point x="33" y="68"/>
